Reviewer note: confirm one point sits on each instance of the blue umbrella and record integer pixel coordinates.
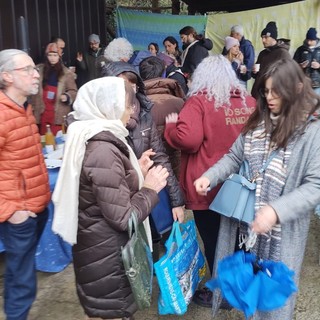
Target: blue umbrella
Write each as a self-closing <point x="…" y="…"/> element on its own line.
<point x="250" y="284"/>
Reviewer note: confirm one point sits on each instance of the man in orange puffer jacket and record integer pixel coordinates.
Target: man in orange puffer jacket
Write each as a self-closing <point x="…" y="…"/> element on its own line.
<point x="24" y="187"/>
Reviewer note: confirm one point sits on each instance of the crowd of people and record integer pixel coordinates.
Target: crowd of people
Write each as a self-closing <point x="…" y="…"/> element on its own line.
<point x="139" y="122"/>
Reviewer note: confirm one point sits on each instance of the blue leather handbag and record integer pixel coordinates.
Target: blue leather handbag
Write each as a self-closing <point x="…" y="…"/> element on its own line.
<point x="236" y="197"/>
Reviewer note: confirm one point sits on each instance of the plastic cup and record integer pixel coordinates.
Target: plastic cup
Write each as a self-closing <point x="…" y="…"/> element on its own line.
<point x="242" y="68"/>
<point x="257" y="67"/>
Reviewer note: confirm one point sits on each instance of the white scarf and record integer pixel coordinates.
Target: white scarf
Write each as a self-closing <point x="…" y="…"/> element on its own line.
<point x="99" y="105"/>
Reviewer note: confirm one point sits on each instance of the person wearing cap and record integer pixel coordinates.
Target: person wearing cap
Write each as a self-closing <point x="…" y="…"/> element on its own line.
<point x="274" y="50"/>
<point x="56" y="93"/>
<point x="247" y="50"/>
<point x="308" y="56"/>
<point x="234" y="55"/>
<point x="86" y="63"/>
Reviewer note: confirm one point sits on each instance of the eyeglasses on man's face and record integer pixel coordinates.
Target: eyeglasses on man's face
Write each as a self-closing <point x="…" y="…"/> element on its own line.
<point x="264" y="92"/>
<point x="28" y="69"/>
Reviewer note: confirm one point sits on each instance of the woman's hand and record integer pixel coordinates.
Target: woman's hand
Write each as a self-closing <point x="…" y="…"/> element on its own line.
<point x="145" y="162"/>
<point x="79" y="56"/>
<point x="178" y="214"/>
<point x="264" y="220"/>
<point x="202" y="184"/>
<point x="239" y="56"/>
<point x="172" y="118"/>
<point x="156" y="178"/>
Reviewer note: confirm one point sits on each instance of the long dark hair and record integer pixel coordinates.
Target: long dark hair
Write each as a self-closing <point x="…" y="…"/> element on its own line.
<point x="48" y="68"/>
<point x="298" y="101"/>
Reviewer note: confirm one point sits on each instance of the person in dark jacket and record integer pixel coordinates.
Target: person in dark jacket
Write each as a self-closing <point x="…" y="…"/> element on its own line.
<point x="195" y="49"/>
<point x="274" y="50"/>
<point x="308" y="56"/>
<point x="86" y="63"/>
<point x="144" y="137"/>
<point x="100" y="185"/>
<point x="247" y="50"/>
<point x="167" y="96"/>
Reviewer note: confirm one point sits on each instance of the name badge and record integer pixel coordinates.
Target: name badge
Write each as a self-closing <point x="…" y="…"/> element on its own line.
<point x="50" y="95"/>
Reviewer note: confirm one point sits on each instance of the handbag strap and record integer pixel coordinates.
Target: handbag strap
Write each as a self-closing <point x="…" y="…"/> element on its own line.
<point x="132" y="224"/>
<point x="264" y="167"/>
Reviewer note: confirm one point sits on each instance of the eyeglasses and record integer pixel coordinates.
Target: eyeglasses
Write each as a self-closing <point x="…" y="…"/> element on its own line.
<point x="29" y="69"/>
<point x="265" y="91"/>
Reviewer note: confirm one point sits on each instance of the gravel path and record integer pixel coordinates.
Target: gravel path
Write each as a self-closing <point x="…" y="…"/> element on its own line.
<point x="57" y="298"/>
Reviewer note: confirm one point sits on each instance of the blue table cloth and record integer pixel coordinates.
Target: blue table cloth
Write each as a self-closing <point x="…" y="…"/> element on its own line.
<point x="53" y="254"/>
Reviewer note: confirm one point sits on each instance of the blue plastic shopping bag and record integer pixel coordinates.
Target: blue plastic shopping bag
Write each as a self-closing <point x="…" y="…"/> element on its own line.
<point x="250" y="284"/>
<point x="180" y="270"/>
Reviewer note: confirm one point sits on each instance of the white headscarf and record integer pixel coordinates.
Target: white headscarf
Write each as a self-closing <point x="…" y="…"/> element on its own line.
<point x="98" y="107"/>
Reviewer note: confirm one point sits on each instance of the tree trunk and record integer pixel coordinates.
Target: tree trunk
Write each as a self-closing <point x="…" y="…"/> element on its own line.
<point x="175" y="7"/>
<point x="155" y="6"/>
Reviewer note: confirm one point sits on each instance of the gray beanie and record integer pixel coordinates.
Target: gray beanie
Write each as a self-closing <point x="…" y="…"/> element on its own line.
<point x="94" y="38"/>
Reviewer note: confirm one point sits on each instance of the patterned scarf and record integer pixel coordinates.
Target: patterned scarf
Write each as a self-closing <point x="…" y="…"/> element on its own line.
<point x="270" y="184"/>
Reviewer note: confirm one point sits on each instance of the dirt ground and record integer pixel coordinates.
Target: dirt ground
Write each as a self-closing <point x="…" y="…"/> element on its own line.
<point x="57" y="299"/>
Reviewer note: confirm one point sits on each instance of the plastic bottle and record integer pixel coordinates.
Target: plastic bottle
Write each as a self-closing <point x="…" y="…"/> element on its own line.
<point x="50" y="142"/>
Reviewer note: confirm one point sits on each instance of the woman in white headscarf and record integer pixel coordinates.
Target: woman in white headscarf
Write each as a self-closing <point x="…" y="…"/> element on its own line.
<point x="99" y="185"/>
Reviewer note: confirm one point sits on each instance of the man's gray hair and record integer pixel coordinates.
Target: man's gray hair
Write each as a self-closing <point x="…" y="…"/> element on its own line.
<point x="119" y="49"/>
<point x="237" y="29"/>
<point x="7" y="62"/>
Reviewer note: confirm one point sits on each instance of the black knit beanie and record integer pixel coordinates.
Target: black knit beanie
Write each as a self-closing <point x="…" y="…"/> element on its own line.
<point x="270" y="30"/>
<point x="311" y="34"/>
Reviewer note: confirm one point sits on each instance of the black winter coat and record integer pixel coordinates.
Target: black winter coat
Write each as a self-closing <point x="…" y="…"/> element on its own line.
<point x="143" y="135"/>
<point x="266" y="58"/>
<point x="196" y="53"/>
<point x="109" y="191"/>
<point x="304" y="53"/>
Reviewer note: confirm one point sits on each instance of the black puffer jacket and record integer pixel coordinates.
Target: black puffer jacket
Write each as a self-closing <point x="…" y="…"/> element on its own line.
<point x="109" y="191"/>
<point x="143" y="133"/>
<point x="305" y="53"/>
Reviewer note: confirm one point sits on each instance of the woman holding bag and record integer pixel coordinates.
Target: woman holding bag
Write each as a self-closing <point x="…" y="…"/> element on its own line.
<point x="99" y="185"/>
<point x="289" y="189"/>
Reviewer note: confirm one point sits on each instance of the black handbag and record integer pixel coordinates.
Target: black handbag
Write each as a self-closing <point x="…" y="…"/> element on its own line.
<point x="138" y="264"/>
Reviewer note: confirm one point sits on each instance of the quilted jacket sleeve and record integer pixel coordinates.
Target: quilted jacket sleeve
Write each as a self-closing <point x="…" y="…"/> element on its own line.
<point x="161" y="158"/>
<point x="109" y="185"/>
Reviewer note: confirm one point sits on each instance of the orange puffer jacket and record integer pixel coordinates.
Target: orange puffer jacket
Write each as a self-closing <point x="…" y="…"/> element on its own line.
<point x="24" y="183"/>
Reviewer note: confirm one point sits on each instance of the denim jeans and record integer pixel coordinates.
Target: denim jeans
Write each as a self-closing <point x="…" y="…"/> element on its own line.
<point x="20" y="280"/>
